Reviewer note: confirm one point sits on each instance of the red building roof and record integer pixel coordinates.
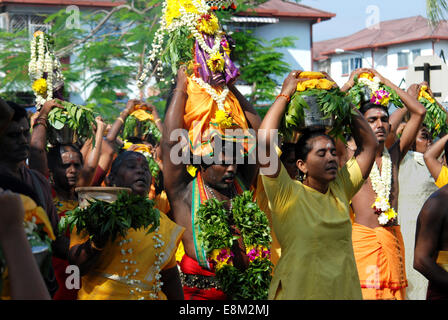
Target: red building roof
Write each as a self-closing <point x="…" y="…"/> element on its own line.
<point x="384" y="34"/>
<point x="287" y="9"/>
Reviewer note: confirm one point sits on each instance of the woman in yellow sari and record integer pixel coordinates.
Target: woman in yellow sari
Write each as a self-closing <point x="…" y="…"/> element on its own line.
<point x="139" y="266"/>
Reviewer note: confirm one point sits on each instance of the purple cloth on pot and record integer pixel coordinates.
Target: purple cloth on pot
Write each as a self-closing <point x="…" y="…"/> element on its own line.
<point x="230" y="72"/>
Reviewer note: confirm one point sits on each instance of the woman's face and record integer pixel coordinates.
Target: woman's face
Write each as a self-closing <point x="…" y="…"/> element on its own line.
<point x="423" y="140"/>
<point x="134" y="174"/>
<point x="66" y="173"/>
<point x="321" y="164"/>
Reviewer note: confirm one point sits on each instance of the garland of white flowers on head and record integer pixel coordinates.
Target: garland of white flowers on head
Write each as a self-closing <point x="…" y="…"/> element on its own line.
<point x="43" y="60"/>
<point x="381" y="184"/>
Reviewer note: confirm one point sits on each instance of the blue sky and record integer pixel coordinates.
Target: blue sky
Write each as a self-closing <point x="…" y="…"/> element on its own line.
<point x="355" y="15"/>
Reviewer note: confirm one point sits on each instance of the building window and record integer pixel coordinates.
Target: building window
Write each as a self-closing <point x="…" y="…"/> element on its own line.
<point x="403" y="59"/>
<point x="345" y="69"/>
<point x="349" y="65"/>
<point x="32" y="23"/>
<point x="416" y="53"/>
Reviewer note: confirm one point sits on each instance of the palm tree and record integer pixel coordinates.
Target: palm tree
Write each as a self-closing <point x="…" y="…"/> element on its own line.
<point x="436" y="10"/>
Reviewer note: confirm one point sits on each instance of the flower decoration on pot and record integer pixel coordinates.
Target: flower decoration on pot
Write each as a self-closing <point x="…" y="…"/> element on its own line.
<point x="368" y="88"/>
<point x="140" y="123"/>
<point x="70" y="124"/>
<point x="435" y="119"/>
<point x="44" y="68"/>
<point x="190" y="34"/>
<point x="317" y="104"/>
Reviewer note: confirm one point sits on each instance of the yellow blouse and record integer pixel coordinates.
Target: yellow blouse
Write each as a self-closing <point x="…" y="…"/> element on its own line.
<point x="315" y="234"/>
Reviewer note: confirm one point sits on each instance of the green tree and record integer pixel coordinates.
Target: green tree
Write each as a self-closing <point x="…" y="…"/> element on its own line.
<point x="436" y="10"/>
<point x="110" y="49"/>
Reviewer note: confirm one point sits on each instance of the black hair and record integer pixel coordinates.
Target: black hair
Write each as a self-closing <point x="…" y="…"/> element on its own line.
<point x="369" y="105"/>
<point x="286" y="149"/>
<point x="8" y="182"/>
<point x="54" y="155"/>
<point x="303" y="147"/>
<point x="19" y="111"/>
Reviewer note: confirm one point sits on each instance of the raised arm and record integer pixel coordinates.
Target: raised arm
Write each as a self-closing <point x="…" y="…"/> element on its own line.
<point x="175" y="174"/>
<point x="429" y="225"/>
<point x="38" y="154"/>
<point x="271" y="123"/>
<point x="396" y="118"/>
<point x="91" y="161"/>
<point x="416" y="110"/>
<point x="432" y="155"/>
<point x="351" y="81"/>
<point x="366" y="143"/>
<point x="118" y="124"/>
<point x="251" y="114"/>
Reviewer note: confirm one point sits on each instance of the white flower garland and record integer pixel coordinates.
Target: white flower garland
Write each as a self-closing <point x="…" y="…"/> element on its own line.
<point x="42" y="60"/>
<point x="188" y="19"/>
<point x="218" y="98"/>
<point x="381" y="184"/>
<point x="157" y="287"/>
<point x="372" y="85"/>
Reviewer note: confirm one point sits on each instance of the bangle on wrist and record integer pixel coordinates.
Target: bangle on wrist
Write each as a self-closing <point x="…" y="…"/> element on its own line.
<point x="40" y="121"/>
<point x="121" y="119"/>
<point x="157" y="120"/>
<point x="284" y="96"/>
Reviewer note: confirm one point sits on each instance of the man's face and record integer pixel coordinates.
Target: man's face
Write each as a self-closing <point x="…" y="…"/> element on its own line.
<point x="221" y="175"/>
<point x="378" y="120"/>
<point x="67" y="172"/>
<point x="15" y="142"/>
<point x="134" y="173"/>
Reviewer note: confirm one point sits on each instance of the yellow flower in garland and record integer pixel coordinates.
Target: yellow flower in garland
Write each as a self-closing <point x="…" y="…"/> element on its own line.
<point x="37" y="33"/>
<point x="223" y="119"/>
<point x="40" y="87"/>
<point x="323" y="84"/>
<point x="173" y="6"/>
<point x="311" y="75"/>
<point x="366" y="75"/>
<point x="216" y="62"/>
<point x="208" y="23"/>
<point x="391" y="214"/>
<point x="424" y="94"/>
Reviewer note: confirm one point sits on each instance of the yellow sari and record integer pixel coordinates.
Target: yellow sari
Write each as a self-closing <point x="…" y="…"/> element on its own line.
<point x="126" y="269"/>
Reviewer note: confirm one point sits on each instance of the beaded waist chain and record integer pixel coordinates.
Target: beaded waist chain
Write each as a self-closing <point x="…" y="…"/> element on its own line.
<point x="198" y="281"/>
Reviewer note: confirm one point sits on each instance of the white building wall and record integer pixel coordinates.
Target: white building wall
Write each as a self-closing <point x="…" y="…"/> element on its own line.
<point x="299" y="57"/>
<point x="385" y="60"/>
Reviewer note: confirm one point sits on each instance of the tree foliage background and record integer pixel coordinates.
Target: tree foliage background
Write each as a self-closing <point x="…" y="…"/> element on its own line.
<point x="108" y="52"/>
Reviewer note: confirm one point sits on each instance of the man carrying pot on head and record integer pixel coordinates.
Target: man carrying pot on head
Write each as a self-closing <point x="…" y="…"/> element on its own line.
<point x="311" y="217"/>
<point x="377" y="239"/>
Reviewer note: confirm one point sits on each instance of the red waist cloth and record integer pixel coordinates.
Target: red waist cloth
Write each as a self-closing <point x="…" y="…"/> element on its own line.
<point x="63" y="293"/>
<point x="191" y="266"/>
